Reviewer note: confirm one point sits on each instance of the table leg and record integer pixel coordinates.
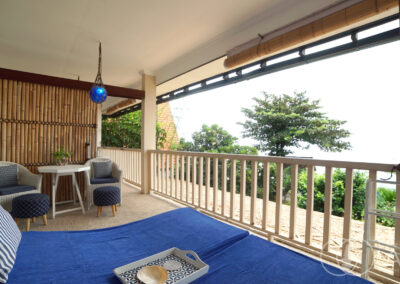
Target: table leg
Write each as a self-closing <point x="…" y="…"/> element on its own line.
<point x="54" y="178"/>
<point x="74" y="196"/>
<point x="78" y="192"/>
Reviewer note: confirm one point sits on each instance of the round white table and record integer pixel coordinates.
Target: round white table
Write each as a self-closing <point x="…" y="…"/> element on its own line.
<point x="68" y="170"/>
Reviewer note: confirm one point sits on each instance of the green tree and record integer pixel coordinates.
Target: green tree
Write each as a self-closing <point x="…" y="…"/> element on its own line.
<point x="280" y="123"/>
<point x="214" y="139"/>
<point x="125" y="131"/>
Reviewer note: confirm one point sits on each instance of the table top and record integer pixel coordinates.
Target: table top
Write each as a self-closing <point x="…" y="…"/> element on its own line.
<point x="63" y="169"/>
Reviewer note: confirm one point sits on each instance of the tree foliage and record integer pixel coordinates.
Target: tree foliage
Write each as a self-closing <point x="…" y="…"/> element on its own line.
<point x="125" y="131"/>
<point x="280" y="123"/>
<point x="214" y="139"/>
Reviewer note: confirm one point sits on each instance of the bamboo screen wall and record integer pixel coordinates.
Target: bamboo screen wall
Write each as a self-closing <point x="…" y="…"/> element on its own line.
<point x="36" y="119"/>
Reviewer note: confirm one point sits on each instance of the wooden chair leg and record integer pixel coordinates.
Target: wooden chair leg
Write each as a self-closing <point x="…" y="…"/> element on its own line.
<point x="99" y="208"/>
<point x="44" y="219"/>
<point x="113" y="209"/>
<point x="116" y="207"/>
<point x="33" y="219"/>
<point x="28" y="224"/>
<point x="16" y="220"/>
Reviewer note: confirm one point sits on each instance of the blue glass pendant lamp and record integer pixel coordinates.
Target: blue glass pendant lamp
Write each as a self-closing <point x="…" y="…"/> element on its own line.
<point x="98" y="93"/>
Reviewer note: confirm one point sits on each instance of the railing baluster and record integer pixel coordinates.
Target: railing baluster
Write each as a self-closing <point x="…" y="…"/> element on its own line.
<point x="327" y="208"/>
<point x="201" y="170"/>
<point x="265" y="195"/>
<point x="372" y="218"/>
<point x="207" y="182"/>
<point x="242" y="187"/>
<point x="139" y="167"/>
<point x="397" y="227"/>
<point x="233" y="187"/>
<point x="293" y="201"/>
<point x="182" y="176"/>
<point x="187" y="177"/>
<point x="223" y="189"/>
<point x="152" y="170"/>
<point x="167" y="176"/>
<point x="215" y="184"/>
<point x="134" y="167"/>
<point x="253" y="193"/>
<point x="162" y="173"/>
<point x="176" y="175"/>
<point x="348" y="209"/>
<point x="310" y="203"/>
<point x="194" y="177"/>
<point x="171" y="173"/>
<point x="278" y="198"/>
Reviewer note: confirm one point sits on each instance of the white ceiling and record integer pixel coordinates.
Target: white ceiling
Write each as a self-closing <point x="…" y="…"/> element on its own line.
<point x="160" y="37"/>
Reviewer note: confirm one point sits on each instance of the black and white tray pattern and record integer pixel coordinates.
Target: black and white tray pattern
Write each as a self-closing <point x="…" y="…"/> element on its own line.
<point x="191" y="267"/>
<point x="173" y="275"/>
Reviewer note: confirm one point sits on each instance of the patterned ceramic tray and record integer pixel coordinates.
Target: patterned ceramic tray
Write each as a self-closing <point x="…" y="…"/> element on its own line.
<point x="190" y="269"/>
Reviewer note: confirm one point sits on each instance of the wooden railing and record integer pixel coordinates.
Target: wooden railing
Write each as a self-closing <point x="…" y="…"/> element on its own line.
<point x="205" y="181"/>
<point x="189" y="178"/>
<point x="129" y="160"/>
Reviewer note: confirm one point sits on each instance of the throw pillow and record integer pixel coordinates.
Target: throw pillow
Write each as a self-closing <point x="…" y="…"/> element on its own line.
<point x="10" y="237"/>
<point x="102" y="169"/>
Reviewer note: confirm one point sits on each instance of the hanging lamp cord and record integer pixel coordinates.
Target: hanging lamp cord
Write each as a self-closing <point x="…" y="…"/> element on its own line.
<point x="98" y="80"/>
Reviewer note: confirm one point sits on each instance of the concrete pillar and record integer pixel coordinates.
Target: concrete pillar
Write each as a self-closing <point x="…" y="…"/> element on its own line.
<point x="149" y="119"/>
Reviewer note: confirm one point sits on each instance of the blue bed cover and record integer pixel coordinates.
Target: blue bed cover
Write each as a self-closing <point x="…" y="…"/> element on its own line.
<point x="233" y="255"/>
<point x="91" y="256"/>
<point x="255" y="260"/>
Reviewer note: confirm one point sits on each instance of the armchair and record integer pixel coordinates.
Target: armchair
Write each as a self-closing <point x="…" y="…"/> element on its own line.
<point x="92" y="183"/>
<point x="27" y="183"/>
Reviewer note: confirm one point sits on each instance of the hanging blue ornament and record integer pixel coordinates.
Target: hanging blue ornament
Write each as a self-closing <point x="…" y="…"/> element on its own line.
<point x="98" y="93"/>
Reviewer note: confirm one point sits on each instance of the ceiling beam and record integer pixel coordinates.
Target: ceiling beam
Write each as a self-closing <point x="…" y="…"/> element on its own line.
<point x="113" y="91"/>
<point x="121" y="105"/>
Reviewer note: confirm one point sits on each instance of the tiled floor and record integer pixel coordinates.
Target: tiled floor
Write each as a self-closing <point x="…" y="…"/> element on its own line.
<point x="135" y="206"/>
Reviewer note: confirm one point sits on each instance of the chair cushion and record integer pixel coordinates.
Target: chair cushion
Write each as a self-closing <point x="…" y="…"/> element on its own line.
<point x="15" y="189"/>
<point x="8" y="175"/>
<point x="103" y="180"/>
<point x="107" y="195"/>
<point x="10" y="237"/>
<point x="30" y="205"/>
<point x="102" y="169"/>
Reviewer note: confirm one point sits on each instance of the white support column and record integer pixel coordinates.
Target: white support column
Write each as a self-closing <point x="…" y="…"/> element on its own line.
<point x="149" y="119"/>
<point x="98" y="129"/>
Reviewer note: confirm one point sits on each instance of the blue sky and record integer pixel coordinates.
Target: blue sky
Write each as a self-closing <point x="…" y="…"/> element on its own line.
<point x="361" y="88"/>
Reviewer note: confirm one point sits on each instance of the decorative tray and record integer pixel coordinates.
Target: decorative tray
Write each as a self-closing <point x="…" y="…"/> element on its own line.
<point x="190" y="267"/>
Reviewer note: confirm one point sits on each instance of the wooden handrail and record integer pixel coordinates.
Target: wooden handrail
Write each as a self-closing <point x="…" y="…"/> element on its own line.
<point x="289" y="161"/>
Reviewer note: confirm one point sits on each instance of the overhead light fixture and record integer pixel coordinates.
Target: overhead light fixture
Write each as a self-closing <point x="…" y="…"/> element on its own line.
<point x="98" y="93"/>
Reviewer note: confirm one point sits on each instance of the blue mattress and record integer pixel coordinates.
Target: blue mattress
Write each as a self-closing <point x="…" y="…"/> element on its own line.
<point x="255" y="260"/>
<point x="233" y="255"/>
<point x="91" y="256"/>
